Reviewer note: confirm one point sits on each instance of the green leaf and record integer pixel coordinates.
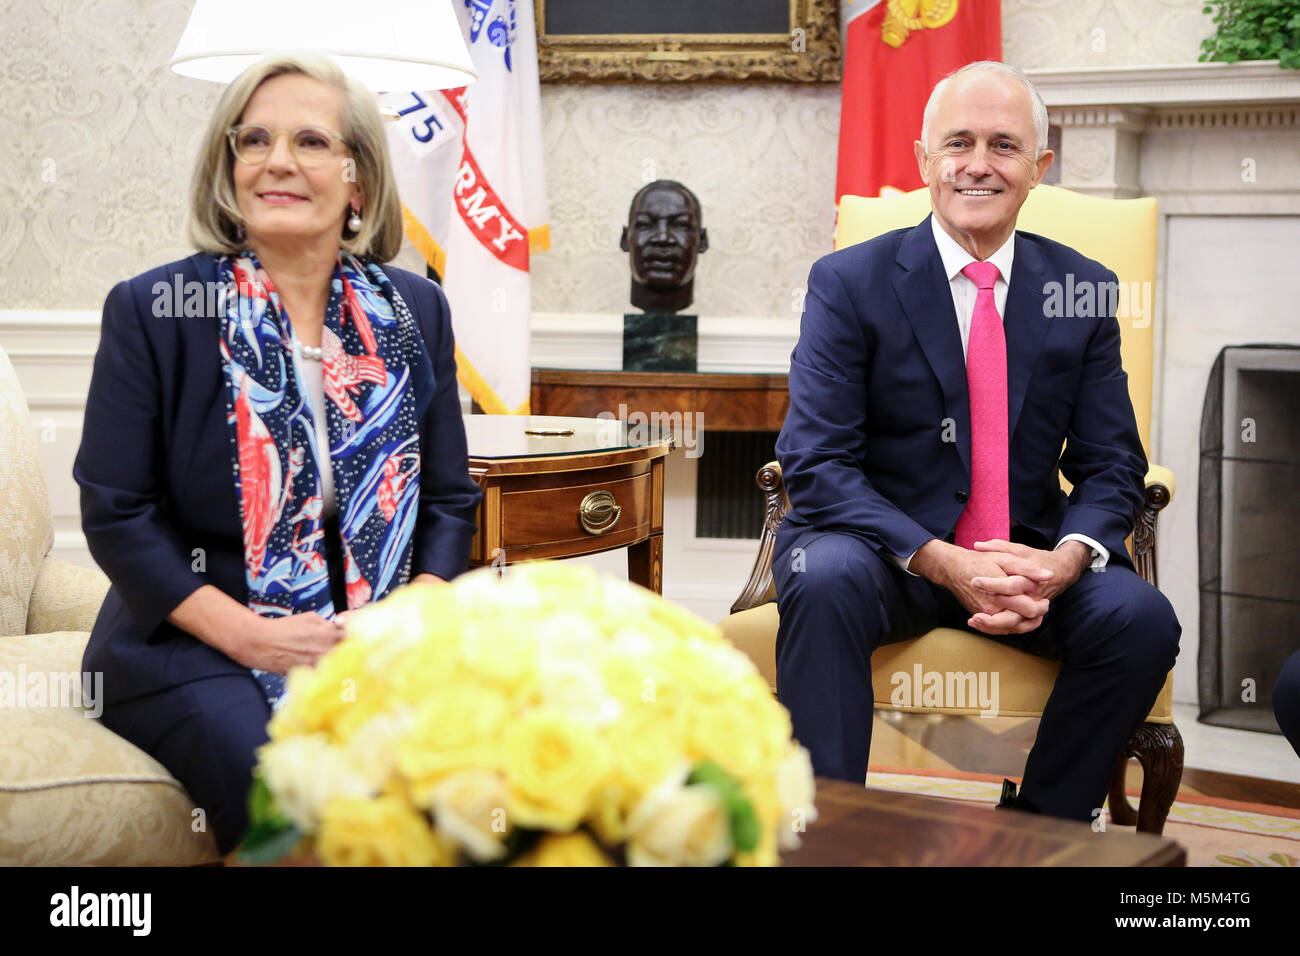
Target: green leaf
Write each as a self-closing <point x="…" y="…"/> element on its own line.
<point x="268" y="843"/>
<point x="271" y="835"/>
<point x="745" y="830"/>
<point x="706" y="771"/>
<point x="261" y="805"/>
<point x="743" y="821"/>
<point x="1253" y="30"/>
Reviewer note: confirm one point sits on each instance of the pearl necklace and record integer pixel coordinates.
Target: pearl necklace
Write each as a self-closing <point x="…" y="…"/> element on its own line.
<point x="309" y="352"/>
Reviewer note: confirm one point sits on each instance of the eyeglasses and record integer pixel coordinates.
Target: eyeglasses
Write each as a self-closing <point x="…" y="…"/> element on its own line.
<point x="310" y="145"/>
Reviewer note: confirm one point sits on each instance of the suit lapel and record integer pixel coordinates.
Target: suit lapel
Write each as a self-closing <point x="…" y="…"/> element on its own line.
<point x="926" y="299"/>
<point x="1025" y="324"/>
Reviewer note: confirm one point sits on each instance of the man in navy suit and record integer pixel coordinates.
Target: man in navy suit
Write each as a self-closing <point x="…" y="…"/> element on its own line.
<point x="931" y="392"/>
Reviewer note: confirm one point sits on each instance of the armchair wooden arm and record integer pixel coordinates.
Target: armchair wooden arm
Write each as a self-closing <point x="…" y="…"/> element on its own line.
<point x="760" y="588"/>
<point x="1160" y="491"/>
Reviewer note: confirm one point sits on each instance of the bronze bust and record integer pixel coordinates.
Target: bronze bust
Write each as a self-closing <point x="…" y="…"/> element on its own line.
<point x="665" y="237"/>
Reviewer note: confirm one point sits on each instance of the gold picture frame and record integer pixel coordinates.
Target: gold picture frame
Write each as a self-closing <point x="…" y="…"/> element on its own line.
<point x="808" y="53"/>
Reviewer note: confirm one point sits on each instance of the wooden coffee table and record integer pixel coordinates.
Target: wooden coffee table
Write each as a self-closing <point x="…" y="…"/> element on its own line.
<point x="859" y="826"/>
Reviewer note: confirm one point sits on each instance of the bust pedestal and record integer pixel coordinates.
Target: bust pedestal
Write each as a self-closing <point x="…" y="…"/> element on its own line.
<point x="660" y="342"/>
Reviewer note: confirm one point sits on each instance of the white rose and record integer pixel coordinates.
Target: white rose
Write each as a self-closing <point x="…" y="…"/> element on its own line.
<point x="305" y="773"/>
<point x="679" y="825"/>
<point x="795" y="791"/>
<point x="569" y="636"/>
<point x="576" y="688"/>
<point x="372" y="749"/>
<point x="631" y="642"/>
<point x="469" y="809"/>
<point x="390" y="627"/>
<point x="725" y="665"/>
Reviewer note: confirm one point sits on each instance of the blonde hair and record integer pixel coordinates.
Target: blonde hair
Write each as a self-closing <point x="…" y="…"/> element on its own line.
<point x="215" y="223"/>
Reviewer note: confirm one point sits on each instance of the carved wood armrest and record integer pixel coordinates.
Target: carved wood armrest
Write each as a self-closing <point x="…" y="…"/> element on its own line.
<point x="760" y="588"/>
<point x="1160" y="491"/>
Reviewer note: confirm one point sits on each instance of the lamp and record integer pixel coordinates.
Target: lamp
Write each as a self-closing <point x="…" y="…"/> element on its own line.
<point x="389" y="45"/>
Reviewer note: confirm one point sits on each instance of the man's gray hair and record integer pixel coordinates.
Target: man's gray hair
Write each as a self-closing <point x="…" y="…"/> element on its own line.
<point x="1001" y="69"/>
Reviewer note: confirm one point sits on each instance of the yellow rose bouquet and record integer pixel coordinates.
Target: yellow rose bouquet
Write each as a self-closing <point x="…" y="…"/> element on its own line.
<point x="547" y="717"/>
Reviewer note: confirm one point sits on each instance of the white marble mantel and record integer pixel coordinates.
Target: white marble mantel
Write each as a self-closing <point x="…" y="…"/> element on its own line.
<point x="1170" y="85"/>
<point x="1209" y="137"/>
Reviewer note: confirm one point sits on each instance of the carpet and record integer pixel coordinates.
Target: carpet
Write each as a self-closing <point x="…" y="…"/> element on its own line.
<point x="1214" y="832"/>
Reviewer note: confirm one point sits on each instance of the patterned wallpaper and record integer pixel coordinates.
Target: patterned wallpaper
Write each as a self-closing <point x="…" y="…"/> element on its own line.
<point x="1062" y="34"/>
<point x="97" y="139"/>
<point x="761" y="159"/>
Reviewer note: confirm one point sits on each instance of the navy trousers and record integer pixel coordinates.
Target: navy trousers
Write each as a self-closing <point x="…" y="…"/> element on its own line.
<point x="205" y="732"/>
<point x="1286" y="700"/>
<point x="1115" y="636"/>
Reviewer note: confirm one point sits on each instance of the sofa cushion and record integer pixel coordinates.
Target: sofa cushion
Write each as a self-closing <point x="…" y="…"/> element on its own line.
<point x="71" y="790"/>
<point x="26" y="529"/>
<point x="66" y="597"/>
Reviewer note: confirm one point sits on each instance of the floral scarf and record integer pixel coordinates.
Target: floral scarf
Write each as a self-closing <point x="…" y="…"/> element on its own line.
<point x="371" y="345"/>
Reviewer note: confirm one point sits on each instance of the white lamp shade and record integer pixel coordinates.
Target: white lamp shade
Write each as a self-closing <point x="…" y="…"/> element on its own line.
<point x="389" y="45"/>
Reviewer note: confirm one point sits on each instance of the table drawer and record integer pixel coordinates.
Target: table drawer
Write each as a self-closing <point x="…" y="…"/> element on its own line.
<point x="551" y="515"/>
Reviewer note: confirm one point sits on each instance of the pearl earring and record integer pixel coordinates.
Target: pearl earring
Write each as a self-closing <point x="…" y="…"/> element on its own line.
<point x="354" y="221"/>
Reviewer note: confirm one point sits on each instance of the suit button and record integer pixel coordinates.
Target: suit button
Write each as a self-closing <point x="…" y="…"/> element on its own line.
<point x="961" y="496"/>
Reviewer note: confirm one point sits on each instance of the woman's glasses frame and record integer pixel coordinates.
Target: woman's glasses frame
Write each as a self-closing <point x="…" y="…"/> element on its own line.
<point x="302" y="156"/>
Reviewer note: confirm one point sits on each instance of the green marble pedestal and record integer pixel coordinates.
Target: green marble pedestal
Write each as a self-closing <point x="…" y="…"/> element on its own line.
<point x="659" y="342"/>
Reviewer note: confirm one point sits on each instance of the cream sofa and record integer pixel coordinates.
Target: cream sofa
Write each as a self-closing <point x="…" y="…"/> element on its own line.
<point x="71" y="790"/>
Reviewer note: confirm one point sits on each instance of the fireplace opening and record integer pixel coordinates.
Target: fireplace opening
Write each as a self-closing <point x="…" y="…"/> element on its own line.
<point x="1249" y="532"/>
<point x="727" y="502"/>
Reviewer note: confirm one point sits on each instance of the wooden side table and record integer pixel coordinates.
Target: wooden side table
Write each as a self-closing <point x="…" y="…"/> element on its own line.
<point x="557" y="487"/>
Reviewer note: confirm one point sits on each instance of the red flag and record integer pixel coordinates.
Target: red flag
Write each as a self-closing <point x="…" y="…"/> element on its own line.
<point x="894" y="53"/>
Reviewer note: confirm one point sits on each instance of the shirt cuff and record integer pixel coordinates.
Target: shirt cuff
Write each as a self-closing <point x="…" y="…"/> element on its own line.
<point x="1099" y="553"/>
<point x="904" y="562"/>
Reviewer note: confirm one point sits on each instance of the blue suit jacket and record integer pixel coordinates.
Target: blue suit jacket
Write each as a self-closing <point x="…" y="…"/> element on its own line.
<point x="157" y="482"/>
<point x="878" y="377"/>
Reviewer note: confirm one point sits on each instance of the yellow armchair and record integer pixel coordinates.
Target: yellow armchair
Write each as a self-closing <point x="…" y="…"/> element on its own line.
<point x="1122" y="235"/>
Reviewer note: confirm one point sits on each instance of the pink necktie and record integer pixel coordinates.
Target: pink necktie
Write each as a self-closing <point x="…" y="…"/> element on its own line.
<point x="988" y="511"/>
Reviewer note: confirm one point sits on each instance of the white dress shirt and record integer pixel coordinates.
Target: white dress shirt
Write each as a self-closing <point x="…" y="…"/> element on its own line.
<point x="313" y="371"/>
<point x="964" y="292"/>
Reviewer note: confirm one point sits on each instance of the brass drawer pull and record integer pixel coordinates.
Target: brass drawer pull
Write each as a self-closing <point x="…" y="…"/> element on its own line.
<point x="598" y="512"/>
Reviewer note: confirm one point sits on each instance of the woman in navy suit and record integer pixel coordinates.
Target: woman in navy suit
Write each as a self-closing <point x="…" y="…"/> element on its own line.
<point x="272" y="435"/>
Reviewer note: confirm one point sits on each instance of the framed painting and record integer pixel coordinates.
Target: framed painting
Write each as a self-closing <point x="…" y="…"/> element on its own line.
<point x="688" y="40"/>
